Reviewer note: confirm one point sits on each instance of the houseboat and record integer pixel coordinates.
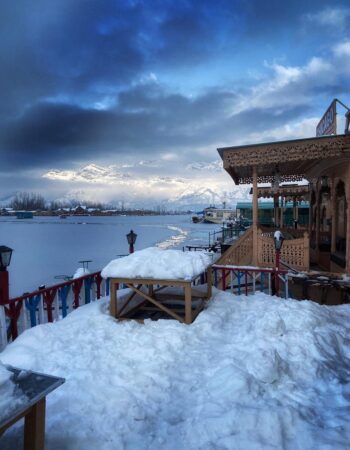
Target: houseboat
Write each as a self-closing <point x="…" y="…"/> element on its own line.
<point x="218" y="215"/>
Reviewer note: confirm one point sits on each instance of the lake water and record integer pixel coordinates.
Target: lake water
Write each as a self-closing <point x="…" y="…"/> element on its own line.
<point x="49" y="247"/>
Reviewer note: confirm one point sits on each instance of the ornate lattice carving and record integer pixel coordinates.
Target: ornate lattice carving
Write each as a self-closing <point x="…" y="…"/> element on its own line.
<point x="292" y="158"/>
<point x="283" y="191"/>
<point x="295" y="252"/>
<point x="284" y="152"/>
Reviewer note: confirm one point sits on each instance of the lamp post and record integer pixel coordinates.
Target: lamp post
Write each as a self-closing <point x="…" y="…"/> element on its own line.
<point x="5" y="259"/>
<point x="131" y="237"/>
<point x="278" y="241"/>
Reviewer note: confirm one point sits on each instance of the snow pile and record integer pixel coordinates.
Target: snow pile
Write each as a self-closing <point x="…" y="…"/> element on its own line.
<point x="250" y="373"/>
<point x="80" y="272"/>
<point x="156" y="263"/>
<point x="9" y="398"/>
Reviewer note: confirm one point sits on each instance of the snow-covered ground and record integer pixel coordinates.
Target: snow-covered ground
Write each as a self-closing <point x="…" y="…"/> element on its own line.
<point x="252" y="372"/>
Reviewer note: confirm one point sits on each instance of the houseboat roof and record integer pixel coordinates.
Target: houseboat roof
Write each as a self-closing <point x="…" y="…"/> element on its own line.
<point x="291" y="160"/>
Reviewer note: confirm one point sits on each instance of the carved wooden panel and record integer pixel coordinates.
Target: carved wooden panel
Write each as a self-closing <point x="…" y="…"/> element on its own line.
<point x="283" y="152"/>
<point x="295" y="252"/>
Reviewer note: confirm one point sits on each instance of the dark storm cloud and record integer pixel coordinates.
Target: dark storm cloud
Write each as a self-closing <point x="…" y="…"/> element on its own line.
<point x="64" y="47"/>
<point x="60" y="59"/>
<point x="147" y="122"/>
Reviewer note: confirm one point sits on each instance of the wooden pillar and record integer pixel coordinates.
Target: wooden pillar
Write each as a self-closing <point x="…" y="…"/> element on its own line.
<point x="310" y="208"/>
<point x="347" y="195"/>
<point x="281" y="212"/>
<point x="275" y="209"/>
<point x="255" y="217"/>
<point x="317" y="226"/>
<point x="334" y="220"/>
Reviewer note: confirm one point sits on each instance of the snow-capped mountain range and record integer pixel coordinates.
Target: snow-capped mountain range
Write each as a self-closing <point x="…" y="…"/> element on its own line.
<point x="200" y="185"/>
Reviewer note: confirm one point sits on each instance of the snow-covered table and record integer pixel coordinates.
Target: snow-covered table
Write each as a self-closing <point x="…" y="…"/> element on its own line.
<point x="35" y="387"/>
<point x="150" y="295"/>
<point x="151" y="274"/>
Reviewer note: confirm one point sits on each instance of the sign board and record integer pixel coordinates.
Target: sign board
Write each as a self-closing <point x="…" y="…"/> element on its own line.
<point x="328" y="124"/>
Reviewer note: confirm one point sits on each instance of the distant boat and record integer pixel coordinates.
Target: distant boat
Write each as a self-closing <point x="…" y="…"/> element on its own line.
<point x="24" y="215"/>
<point x="219" y="215"/>
<point x="63" y="216"/>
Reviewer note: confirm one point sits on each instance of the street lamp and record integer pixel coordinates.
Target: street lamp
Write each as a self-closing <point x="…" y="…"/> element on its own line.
<point x="5" y="259"/>
<point x="131" y="237"/>
<point x="278" y="241"/>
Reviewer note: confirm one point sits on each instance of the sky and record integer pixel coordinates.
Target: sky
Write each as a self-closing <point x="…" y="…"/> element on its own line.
<point x="110" y="100"/>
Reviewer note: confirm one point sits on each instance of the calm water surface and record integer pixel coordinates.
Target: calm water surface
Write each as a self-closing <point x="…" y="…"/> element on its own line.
<point x="47" y="247"/>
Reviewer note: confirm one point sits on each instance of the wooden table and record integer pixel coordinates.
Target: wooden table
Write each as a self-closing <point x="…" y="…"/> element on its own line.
<point x="148" y="296"/>
<point x="35" y="386"/>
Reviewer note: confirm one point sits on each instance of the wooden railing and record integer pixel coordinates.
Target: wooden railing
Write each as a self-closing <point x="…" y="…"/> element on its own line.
<point x="248" y="280"/>
<point x="240" y="252"/>
<point x="48" y="304"/>
<point x="295" y="252"/>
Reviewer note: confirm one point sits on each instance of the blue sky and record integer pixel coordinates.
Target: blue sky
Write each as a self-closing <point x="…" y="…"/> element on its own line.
<point x="129" y="100"/>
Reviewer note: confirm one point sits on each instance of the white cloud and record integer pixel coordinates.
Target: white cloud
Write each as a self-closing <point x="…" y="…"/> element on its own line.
<point x="297" y="130"/>
<point x="342" y="49"/>
<point x="289" y="86"/>
<point x="334" y="17"/>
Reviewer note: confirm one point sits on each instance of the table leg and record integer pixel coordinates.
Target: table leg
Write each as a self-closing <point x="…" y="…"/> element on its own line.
<point x="34" y="427"/>
<point x="113" y="300"/>
<point x="188" y="303"/>
<point x="209" y="282"/>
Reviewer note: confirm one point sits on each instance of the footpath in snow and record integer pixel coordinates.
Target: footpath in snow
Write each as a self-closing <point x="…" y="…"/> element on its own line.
<point x="250" y="373"/>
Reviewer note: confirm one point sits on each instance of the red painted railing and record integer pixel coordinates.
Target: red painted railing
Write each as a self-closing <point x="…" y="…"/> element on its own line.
<point x="47" y="304"/>
<point x="245" y="279"/>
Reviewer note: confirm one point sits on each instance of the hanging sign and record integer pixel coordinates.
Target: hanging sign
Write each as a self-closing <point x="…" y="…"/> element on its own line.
<point x="328" y="124"/>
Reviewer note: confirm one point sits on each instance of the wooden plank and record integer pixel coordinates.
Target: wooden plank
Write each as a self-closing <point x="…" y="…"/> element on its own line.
<point x="34" y="427"/>
<point x="131" y="296"/>
<point x="163" y="308"/>
<point x="153" y="281"/>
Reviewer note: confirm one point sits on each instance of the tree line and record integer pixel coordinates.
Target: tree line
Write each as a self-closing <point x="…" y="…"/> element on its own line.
<point x="30" y="201"/>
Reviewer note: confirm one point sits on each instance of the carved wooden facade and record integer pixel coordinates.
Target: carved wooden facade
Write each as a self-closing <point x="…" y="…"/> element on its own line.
<point x="295" y="252"/>
<point x="317" y="160"/>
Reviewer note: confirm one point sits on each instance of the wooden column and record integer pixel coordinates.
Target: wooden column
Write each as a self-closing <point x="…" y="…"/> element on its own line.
<point x="310" y="208"/>
<point x="275" y="209"/>
<point x="255" y="217"/>
<point x="281" y="212"/>
<point x="317" y="225"/>
<point x="347" y="195"/>
<point x="333" y="216"/>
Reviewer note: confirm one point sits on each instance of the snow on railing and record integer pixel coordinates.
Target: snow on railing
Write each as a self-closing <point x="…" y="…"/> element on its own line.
<point x="249" y="279"/>
<point x="48" y="304"/>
